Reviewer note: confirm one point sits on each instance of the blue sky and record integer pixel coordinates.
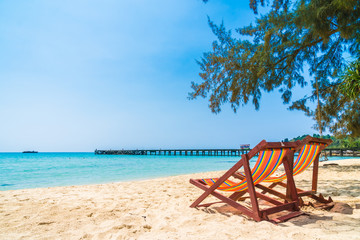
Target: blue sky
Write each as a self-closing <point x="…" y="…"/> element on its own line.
<point x="80" y="75"/>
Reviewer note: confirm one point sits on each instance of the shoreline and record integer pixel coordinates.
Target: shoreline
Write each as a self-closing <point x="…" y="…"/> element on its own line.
<point x="345" y="162"/>
<point x="159" y="209"/>
<point x="97" y="182"/>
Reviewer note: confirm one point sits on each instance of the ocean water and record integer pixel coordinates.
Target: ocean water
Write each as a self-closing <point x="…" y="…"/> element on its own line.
<point x="34" y="170"/>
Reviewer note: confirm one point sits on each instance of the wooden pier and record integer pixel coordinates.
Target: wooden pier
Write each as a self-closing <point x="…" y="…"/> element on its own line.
<point x="341" y="152"/>
<point x="174" y="152"/>
<point x="216" y="152"/>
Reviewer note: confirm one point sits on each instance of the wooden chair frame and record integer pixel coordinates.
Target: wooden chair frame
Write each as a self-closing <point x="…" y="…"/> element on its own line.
<point x="301" y="193"/>
<point x="255" y="212"/>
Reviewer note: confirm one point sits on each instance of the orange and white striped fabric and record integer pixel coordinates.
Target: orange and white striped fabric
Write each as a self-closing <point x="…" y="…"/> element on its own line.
<point x="307" y="155"/>
<point x="268" y="161"/>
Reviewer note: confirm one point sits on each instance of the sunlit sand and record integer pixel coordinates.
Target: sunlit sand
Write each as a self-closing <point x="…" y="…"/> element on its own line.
<point x="159" y="209"/>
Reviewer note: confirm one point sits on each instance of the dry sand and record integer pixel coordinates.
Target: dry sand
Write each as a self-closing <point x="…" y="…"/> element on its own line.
<point x="159" y="209"/>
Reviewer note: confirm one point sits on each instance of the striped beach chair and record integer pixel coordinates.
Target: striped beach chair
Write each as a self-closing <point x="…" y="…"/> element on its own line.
<point x="270" y="156"/>
<point x="309" y="151"/>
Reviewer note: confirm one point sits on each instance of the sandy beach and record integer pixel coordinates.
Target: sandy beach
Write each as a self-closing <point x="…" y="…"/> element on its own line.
<point x="159" y="209"/>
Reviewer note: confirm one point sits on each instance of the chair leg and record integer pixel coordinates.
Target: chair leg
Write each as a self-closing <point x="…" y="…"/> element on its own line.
<point x="290" y="189"/>
<point x="251" y="189"/>
<point x="315" y="174"/>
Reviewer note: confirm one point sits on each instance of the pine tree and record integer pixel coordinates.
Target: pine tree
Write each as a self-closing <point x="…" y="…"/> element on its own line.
<point x="293" y="35"/>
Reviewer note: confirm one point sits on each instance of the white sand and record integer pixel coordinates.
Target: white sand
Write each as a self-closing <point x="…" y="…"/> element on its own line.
<point x="159" y="209"/>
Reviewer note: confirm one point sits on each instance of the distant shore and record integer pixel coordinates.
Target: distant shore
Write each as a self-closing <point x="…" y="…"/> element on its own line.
<point x="159" y="209"/>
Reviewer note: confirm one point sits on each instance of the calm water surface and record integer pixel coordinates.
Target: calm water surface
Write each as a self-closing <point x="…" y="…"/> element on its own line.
<point x="20" y="171"/>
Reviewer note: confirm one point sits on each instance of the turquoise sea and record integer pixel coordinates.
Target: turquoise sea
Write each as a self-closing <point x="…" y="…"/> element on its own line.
<point x="34" y="170"/>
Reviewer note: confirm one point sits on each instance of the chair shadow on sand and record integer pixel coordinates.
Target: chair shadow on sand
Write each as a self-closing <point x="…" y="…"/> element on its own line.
<point x="303" y="220"/>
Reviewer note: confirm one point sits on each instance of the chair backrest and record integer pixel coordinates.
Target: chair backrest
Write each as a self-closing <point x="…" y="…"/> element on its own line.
<point x="307" y="154"/>
<point x="267" y="163"/>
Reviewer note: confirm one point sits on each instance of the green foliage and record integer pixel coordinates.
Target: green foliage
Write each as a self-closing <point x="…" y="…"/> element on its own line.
<point x="346" y="142"/>
<point x="342" y="104"/>
<point x="291" y="36"/>
<point x="314" y="135"/>
<point x="350" y="85"/>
